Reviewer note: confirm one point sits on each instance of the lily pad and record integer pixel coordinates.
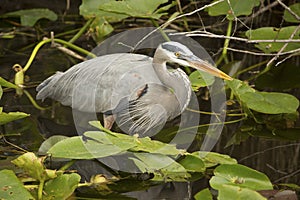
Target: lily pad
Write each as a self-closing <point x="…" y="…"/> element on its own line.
<point x="193" y="163"/>
<point x="272" y="33"/>
<point x="199" y="80"/>
<point x="61" y="187"/>
<point x="287" y="16"/>
<point x="203" y="195"/>
<point x="211" y="159"/>
<point x="229" y="192"/>
<point x="234" y="9"/>
<point x="264" y="102"/>
<point x="31" y="16"/>
<point x="12" y="187"/>
<point x="241" y="176"/>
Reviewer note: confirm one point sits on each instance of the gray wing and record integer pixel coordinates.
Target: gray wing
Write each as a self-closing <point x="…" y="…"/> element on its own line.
<point x="99" y="84"/>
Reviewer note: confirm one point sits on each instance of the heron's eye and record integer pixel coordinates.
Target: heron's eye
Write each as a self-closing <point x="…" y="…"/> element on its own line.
<point x="177" y="54"/>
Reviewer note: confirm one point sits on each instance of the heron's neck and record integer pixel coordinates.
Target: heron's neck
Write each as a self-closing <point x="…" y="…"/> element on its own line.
<point x="176" y="80"/>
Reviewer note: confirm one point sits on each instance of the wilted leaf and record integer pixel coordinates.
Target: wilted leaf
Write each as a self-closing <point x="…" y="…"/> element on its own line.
<point x="264" y="102"/>
<point x="11" y="116"/>
<point x="134" y="8"/>
<point x="241" y="176"/>
<point x="11" y="187"/>
<point x="203" y="195"/>
<point x="287" y="16"/>
<point x="33" y="166"/>
<point x="272" y="33"/>
<point x="31" y="16"/>
<point x="61" y="187"/>
<point x="234" y="9"/>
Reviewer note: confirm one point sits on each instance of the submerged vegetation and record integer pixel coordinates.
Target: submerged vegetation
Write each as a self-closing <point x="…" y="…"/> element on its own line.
<point x="262" y="102"/>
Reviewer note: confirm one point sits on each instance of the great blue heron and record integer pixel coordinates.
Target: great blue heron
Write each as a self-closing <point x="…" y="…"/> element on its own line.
<point x="142" y="92"/>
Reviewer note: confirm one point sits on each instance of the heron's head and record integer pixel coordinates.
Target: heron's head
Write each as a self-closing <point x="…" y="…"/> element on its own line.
<point x="175" y="52"/>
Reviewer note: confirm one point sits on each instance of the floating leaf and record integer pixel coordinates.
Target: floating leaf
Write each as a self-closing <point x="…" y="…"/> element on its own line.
<point x="203" y="195"/>
<point x="31" y="16"/>
<point x="271" y="33"/>
<point x="241" y="176"/>
<point x="96" y="144"/>
<point x="264" y="102"/>
<point x="234" y="9"/>
<point x="61" y="187"/>
<point x="11" y="187"/>
<point x="287" y="16"/>
<point x="193" y="163"/>
<point x="11" y="116"/>
<point x="135" y="8"/>
<point x="51" y="141"/>
<point x="229" y="192"/>
<point x="211" y="159"/>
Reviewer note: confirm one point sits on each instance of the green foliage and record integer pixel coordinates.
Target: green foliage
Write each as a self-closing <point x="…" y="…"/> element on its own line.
<point x="272" y="33"/>
<point x="61" y="187"/>
<point x="234" y="9"/>
<point x="239" y="182"/>
<point x="287" y="16"/>
<point x="31" y="16"/>
<point x="12" y="187"/>
<point x="106" y="12"/>
<point x="199" y="80"/>
<point x="203" y="195"/>
<point x="264" y="102"/>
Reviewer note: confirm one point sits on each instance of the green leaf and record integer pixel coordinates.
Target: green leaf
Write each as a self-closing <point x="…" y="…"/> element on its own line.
<point x="8" y="84"/>
<point x="199" y="80"/>
<point x="236" y="8"/>
<point x="264" y="102"/>
<point x="211" y="159"/>
<point x="271" y="33"/>
<point x="31" y="16"/>
<point x="96" y="145"/>
<point x="287" y="16"/>
<point x="229" y="192"/>
<point x="241" y="176"/>
<point x="11" y="116"/>
<point x="1" y="92"/>
<point x="61" y="187"/>
<point x="203" y="195"/>
<point x="193" y="163"/>
<point x="134" y="8"/>
<point x="11" y="187"/>
<point x="50" y="142"/>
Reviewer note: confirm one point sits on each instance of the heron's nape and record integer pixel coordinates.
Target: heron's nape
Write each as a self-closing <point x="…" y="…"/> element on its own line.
<point x="136" y="90"/>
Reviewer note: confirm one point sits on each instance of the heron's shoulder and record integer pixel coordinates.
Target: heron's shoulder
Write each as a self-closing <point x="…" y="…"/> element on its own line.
<point x="123" y="57"/>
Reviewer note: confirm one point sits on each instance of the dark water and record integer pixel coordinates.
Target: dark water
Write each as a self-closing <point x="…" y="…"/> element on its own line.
<point x="280" y="160"/>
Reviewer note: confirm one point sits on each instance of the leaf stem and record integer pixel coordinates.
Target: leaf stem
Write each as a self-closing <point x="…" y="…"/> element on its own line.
<point x="67" y="165"/>
<point x="40" y="189"/>
<point x="81" y="31"/>
<point x="34" y="103"/>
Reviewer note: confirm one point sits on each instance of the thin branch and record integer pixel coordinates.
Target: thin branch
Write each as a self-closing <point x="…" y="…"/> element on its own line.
<point x="289" y="9"/>
<point x="265" y="54"/>
<point x="212" y="35"/>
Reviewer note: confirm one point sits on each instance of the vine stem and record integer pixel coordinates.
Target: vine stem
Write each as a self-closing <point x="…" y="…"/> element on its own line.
<point x="226" y="44"/>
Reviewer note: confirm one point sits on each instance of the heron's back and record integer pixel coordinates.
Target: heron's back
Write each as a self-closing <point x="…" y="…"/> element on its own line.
<point x="99" y="84"/>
